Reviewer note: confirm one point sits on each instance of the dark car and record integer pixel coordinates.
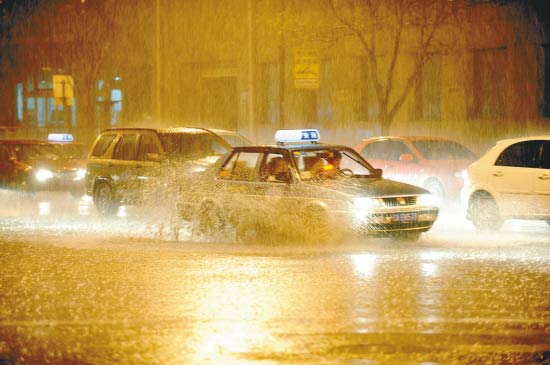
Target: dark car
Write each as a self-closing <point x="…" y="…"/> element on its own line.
<point x="130" y="165"/>
<point x="304" y="186"/>
<point x="35" y="165"/>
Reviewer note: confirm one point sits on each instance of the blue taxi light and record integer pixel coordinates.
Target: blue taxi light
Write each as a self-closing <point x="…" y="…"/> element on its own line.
<point x="60" y="137"/>
<point x="297" y="135"/>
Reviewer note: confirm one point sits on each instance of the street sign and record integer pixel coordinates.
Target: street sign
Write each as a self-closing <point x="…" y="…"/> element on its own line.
<point x="63" y="89"/>
<point x="306" y="68"/>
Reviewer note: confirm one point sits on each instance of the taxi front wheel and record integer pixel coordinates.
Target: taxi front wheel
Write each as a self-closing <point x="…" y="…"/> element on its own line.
<point x="315" y="223"/>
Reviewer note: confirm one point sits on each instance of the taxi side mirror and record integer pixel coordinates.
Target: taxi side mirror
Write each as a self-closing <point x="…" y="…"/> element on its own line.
<point x="377" y="172"/>
<point x="407" y="157"/>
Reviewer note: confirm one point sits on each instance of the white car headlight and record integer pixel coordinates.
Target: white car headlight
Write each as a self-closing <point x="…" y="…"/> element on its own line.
<point x="43" y="175"/>
<point x="428" y="200"/>
<point x="80" y="174"/>
<point x="366" y="203"/>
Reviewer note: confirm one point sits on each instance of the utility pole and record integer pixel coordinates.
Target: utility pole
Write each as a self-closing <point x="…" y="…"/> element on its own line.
<point x="282" y="73"/>
<point x="157" y="71"/>
<point x="251" y="127"/>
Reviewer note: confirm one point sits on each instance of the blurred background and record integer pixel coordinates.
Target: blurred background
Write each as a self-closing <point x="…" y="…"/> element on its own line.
<point x="472" y="70"/>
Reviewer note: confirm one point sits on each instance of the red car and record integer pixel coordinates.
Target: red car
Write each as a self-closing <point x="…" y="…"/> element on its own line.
<point x="430" y="162"/>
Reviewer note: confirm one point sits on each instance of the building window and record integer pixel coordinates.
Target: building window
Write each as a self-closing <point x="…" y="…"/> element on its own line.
<point x="19" y="98"/>
<point x="490" y="84"/>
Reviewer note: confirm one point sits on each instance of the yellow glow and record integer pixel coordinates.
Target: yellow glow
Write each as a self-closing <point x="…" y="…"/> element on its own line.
<point x="364" y="264"/>
<point x="44" y="208"/>
<point x="237" y="319"/>
<point x="121" y="211"/>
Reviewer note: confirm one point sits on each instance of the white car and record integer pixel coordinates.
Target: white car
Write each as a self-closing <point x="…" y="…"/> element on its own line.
<point x="511" y="181"/>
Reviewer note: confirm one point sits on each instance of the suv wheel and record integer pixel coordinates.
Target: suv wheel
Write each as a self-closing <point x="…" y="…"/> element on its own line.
<point x="484" y="212"/>
<point x="104" y="199"/>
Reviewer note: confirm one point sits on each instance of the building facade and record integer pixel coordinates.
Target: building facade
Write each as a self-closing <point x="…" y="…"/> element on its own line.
<point x="258" y="66"/>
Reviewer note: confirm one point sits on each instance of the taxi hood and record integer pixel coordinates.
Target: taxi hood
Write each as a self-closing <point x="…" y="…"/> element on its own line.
<point x="368" y="187"/>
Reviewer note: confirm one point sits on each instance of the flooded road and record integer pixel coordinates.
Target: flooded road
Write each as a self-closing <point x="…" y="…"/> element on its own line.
<point x="76" y="288"/>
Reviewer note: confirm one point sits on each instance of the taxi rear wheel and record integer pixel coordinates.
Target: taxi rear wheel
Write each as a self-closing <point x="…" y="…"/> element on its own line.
<point x="484" y="212"/>
<point x="104" y="199"/>
<point x="211" y="220"/>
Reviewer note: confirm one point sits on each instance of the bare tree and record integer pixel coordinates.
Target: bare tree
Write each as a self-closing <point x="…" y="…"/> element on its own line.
<point x="393" y="32"/>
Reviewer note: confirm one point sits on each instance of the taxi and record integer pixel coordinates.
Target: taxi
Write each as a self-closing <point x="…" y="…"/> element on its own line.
<point x="300" y="184"/>
<point x="68" y="147"/>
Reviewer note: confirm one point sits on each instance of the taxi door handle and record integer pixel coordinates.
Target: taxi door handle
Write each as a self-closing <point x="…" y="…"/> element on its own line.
<point x="544" y="177"/>
<point x="498" y="174"/>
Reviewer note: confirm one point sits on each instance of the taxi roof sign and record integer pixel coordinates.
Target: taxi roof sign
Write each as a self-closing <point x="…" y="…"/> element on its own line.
<point x="297" y="135"/>
<point x="60" y="137"/>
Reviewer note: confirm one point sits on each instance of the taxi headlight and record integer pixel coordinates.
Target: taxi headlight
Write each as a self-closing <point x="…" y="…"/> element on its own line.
<point x="427" y="199"/>
<point x="80" y="174"/>
<point x="365" y="203"/>
<point x="43" y="175"/>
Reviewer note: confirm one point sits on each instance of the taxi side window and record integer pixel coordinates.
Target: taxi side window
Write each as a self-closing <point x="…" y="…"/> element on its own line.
<point x="147" y="144"/>
<point x="126" y="148"/>
<point x="241" y="166"/>
<point x="275" y="168"/>
<point x="102" y="145"/>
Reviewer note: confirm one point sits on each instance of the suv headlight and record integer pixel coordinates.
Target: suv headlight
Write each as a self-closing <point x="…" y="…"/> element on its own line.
<point x="43" y="175"/>
<point x="427" y="199"/>
<point x="80" y="174"/>
<point x="366" y="203"/>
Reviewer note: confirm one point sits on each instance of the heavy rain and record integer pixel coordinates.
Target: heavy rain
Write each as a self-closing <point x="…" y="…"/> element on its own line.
<point x="275" y="182"/>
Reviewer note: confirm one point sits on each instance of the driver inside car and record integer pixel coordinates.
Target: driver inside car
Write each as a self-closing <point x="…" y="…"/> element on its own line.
<point x="328" y="166"/>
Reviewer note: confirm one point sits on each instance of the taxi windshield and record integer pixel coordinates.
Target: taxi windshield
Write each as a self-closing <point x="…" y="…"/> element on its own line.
<point x="72" y="151"/>
<point x="330" y="163"/>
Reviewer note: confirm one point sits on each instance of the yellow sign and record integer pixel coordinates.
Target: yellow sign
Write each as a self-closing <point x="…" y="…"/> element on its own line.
<point x="306" y="68"/>
<point x="63" y="89"/>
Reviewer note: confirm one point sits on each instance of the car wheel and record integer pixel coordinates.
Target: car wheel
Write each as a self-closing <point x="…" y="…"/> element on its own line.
<point x="437" y="190"/>
<point x="315" y="224"/>
<point x="211" y="220"/>
<point x="484" y="212"/>
<point x="104" y="199"/>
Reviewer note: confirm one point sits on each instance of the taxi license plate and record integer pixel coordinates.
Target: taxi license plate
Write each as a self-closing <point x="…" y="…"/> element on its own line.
<point x="404" y="217"/>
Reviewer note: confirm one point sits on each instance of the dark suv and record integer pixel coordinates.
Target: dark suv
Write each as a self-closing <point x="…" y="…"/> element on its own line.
<point x="131" y="165"/>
